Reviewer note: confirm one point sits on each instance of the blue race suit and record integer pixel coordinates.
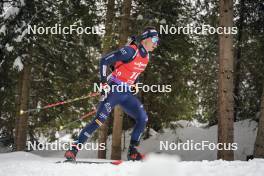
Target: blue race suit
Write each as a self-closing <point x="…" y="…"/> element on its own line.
<point x="129" y="103"/>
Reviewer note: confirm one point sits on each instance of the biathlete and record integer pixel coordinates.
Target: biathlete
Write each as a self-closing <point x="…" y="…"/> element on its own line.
<point x="129" y="62"/>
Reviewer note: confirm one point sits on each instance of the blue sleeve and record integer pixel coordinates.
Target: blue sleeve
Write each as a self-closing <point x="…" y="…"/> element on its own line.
<point x="124" y="54"/>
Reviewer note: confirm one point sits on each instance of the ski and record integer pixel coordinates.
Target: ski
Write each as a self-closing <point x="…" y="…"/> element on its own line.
<point x="115" y="162"/>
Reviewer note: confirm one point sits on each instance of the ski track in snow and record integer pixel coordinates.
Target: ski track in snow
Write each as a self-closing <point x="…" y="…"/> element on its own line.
<point x="27" y="164"/>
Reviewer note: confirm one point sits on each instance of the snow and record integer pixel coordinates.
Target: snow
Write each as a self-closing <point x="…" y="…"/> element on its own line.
<point x="11" y="11"/>
<point x="39" y="104"/>
<point x="244" y="136"/>
<point x="163" y="21"/>
<point x="3" y="29"/>
<point x="2" y="62"/>
<point x="9" y="48"/>
<point x="22" y="2"/>
<point x="27" y="164"/>
<point x="21" y="36"/>
<point x="139" y="17"/>
<point x="18" y="64"/>
<point x="167" y="163"/>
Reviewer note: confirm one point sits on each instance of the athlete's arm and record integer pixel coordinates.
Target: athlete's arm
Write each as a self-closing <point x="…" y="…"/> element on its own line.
<point x="124" y="54"/>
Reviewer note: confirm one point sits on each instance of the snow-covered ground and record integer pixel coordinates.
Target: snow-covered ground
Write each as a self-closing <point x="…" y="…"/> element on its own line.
<point x="27" y="164"/>
<point x="168" y="162"/>
<point x="244" y="136"/>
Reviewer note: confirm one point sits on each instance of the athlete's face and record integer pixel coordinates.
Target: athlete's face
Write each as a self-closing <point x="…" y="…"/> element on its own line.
<point x="151" y="43"/>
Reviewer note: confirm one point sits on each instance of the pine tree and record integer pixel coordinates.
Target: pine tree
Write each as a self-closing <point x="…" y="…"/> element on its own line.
<point x="225" y="82"/>
<point x="107" y="44"/>
<point x="237" y="69"/>
<point x="259" y="144"/>
<point x="118" y="113"/>
<point x="22" y="122"/>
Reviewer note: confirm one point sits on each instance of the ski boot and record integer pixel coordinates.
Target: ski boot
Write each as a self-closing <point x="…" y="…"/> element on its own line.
<point x="133" y="154"/>
<point x="70" y="154"/>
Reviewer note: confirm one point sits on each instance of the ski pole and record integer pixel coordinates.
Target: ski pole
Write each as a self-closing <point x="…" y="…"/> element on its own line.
<point x="60" y="103"/>
<point x="79" y="119"/>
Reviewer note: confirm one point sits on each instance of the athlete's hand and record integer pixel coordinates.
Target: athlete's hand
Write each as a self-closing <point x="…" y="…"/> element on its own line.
<point x="134" y="89"/>
<point x="104" y="90"/>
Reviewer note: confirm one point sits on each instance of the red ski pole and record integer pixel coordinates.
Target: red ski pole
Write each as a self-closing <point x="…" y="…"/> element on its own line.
<point x="60" y="103"/>
<point x="79" y="119"/>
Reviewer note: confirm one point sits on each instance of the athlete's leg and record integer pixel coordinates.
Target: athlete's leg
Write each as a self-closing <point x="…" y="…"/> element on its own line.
<point x="134" y="108"/>
<point x="103" y="111"/>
